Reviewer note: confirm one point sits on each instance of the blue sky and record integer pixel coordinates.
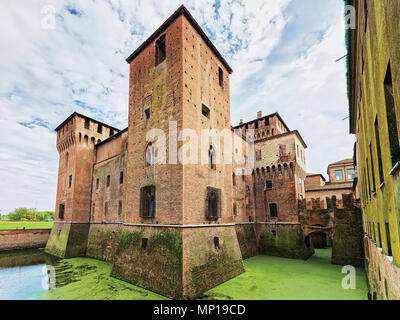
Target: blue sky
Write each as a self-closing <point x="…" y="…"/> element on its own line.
<point x="282" y="52"/>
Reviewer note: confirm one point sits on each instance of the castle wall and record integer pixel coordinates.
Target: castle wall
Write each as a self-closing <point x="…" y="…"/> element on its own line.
<point x="23" y="239"/>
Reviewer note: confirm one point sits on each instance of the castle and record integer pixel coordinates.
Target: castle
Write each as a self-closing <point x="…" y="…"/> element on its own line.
<point x="178" y="227"/>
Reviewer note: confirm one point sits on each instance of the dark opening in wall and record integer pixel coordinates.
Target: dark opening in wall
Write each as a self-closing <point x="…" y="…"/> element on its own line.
<point x="216" y="243"/>
<point x="121" y="177"/>
<point x="268" y="185"/>
<point x="106" y="208"/>
<point x="391" y="118"/>
<point x="61" y="210"/>
<point x="273" y="209"/>
<point x="100" y="128"/>
<point x="87" y="124"/>
<point x="234" y="179"/>
<point x="379" y="242"/>
<point x="211" y="159"/>
<point x="205" y="111"/>
<point x="221" y="77"/>
<point x="389" y="244"/>
<point x="120" y="208"/>
<point x="258" y="155"/>
<point x="386" y="289"/>
<point x="148" y="202"/>
<point x="273" y="233"/>
<point x="144" y="243"/>
<point x="147" y="113"/>
<point x="108" y="180"/>
<point x="70" y="181"/>
<point x="111" y="132"/>
<point x="372" y="168"/>
<point x="379" y="151"/>
<point x="213" y="203"/>
<point x="234" y="209"/>
<point x="97" y="183"/>
<point x="160" y="50"/>
<point x="250" y="219"/>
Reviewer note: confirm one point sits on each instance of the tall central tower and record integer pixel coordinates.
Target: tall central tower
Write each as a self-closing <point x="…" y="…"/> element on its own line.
<point x="179" y="81"/>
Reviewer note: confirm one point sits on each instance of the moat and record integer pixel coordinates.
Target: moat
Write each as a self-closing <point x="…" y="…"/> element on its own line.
<point x="33" y="275"/>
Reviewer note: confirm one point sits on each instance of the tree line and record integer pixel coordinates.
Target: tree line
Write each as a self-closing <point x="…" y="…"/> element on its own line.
<point x="25" y="214"/>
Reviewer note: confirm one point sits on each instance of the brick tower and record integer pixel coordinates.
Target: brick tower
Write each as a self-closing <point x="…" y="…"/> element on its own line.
<point x="178" y="81"/>
<point x="76" y="140"/>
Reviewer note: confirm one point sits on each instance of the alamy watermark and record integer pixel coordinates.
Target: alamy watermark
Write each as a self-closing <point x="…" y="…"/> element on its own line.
<point x="349" y="281"/>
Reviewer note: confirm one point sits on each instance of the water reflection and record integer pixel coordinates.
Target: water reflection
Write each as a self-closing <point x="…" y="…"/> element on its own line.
<point x="25" y="274"/>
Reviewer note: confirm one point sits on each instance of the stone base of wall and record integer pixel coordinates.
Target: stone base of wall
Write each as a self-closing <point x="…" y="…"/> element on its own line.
<point x="23" y="239"/>
<point x="177" y="262"/>
<point x="68" y="240"/>
<point x="205" y="265"/>
<point x="383" y="275"/>
<point x="247" y="239"/>
<point x="283" y="240"/>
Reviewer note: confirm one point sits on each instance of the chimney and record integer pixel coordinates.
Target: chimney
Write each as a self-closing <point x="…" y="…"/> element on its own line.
<point x="259" y="114"/>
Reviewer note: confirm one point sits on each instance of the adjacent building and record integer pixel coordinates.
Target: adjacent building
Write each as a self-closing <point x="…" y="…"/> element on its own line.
<point x="374" y="95"/>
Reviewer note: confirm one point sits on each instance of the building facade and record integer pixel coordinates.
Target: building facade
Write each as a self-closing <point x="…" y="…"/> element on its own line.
<point x="143" y="199"/>
<point x="374" y="95"/>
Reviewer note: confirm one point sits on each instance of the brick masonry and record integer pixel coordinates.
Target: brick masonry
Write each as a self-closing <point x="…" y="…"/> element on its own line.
<point x="23" y="239"/>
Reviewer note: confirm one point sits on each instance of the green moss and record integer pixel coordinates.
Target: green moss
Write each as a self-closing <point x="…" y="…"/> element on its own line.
<point x="274" y="278"/>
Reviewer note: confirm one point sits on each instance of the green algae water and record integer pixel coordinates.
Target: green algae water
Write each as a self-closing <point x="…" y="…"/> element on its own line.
<point x="33" y="275"/>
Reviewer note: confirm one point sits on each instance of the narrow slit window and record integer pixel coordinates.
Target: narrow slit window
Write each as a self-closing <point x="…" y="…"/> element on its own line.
<point x="100" y="128"/>
<point x="216" y="243"/>
<point x="120" y="208"/>
<point x="389" y="244"/>
<point x="70" y="181"/>
<point x="61" y="211"/>
<point x="108" y="180"/>
<point x="160" y="50"/>
<point x="221" y="77"/>
<point x="144" y="243"/>
<point x="121" y="177"/>
<point x="213" y="203"/>
<point x="379" y="151"/>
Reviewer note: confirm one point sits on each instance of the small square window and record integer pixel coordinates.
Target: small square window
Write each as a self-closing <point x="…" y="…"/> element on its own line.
<point x="268" y="185"/>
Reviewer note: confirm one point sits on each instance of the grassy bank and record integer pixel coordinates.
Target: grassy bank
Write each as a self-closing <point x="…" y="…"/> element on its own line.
<point x="13" y="225"/>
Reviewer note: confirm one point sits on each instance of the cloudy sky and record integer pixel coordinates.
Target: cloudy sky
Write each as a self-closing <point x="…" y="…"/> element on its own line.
<point x="283" y="54"/>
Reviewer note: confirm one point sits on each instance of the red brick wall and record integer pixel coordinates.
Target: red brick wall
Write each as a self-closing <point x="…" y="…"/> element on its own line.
<point x="23" y="239"/>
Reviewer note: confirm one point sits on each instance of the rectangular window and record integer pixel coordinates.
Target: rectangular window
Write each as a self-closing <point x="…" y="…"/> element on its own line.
<point x="160" y="50"/>
<point x="216" y="243"/>
<point x="339" y="175"/>
<point x="121" y="177"/>
<point x="205" y="111"/>
<point x="379" y="151"/>
<point x="120" y="208"/>
<point x="87" y="123"/>
<point x="391" y="118"/>
<point x="144" y="243"/>
<point x="350" y="174"/>
<point x="221" y="77"/>
<point x="379" y="242"/>
<point x="372" y="168"/>
<point x="106" y="208"/>
<point x="108" y="180"/>
<point x="213" y="203"/>
<point x="100" y="128"/>
<point x="258" y="155"/>
<point x="389" y="244"/>
<point x="148" y="202"/>
<point x="147" y="113"/>
<point x="273" y="209"/>
<point x="70" y="181"/>
<point x="61" y="210"/>
<point x="268" y="185"/>
<point x="97" y="183"/>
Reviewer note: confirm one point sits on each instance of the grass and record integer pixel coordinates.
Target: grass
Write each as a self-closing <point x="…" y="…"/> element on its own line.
<point x="13" y="225"/>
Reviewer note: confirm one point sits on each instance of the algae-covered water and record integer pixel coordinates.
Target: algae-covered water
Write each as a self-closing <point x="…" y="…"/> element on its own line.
<point x="34" y="275"/>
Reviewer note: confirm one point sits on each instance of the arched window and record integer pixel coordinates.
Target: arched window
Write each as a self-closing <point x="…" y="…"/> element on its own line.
<point x="147" y="202"/>
<point x="150" y="155"/>
<point x="211" y="158"/>
<point x="213" y="210"/>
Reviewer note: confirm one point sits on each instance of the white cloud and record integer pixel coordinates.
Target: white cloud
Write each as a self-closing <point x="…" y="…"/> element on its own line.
<point x="80" y="66"/>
